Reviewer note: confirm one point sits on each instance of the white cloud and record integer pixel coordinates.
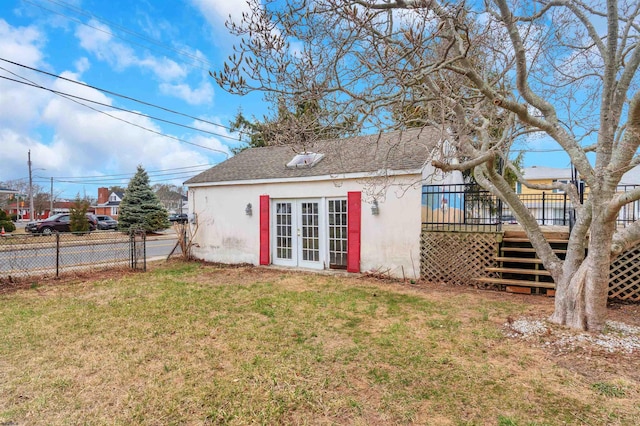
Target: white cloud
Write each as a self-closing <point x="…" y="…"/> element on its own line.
<point x="155" y="27"/>
<point x="21" y="44"/>
<point x="218" y="11"/>
<point x="15" y="146"/>
<point x="97" y="39"/>
<point x="19" y="103"/>
<point x="68" y="139"/>
<point x="164" y="68"/>
<point x="82" y="65"/>
<point x="78" y="89"/>
<point x="198" y="96"/>
<point x="212" y="143"/>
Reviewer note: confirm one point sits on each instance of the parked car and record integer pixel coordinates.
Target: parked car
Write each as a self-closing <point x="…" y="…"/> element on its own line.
<point x="510" y="219"/>
<point x="58" y="222"/>
<point x="106" y="222"/>
<point x="178" y="218"/>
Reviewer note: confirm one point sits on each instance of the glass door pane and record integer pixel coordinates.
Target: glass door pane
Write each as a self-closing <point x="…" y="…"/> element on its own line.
<point x="283" y="231"/>
<point x="310" y="231"/>
<point x="337" y="224"/>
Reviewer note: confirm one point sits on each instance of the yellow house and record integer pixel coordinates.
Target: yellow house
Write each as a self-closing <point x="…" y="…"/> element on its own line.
<point x="550" y="207"/>
<point x="543" y="175"/>
<point x="553" y="205"/>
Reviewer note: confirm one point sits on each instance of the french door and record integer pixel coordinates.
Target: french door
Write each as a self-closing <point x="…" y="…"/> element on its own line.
<point x="337" y="238"/>
<point x="298" y="233"/>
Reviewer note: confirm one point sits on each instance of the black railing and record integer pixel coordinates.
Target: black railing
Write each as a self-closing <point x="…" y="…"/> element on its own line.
<point x="460" y="207"/>
<point x="450" y="207"/>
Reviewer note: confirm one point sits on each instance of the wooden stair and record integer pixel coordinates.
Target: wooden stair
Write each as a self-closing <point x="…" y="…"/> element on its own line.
<point x="519" y="269"/>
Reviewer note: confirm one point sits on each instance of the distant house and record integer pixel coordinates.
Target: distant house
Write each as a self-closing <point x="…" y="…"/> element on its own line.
<point x="351" y="204"/>
<point x="548" y="175"/>
<point x="542" y="175"/>
<point x="174" y="206"/>
<point x="4" y="190"/>
<point x="11" y="208"/>
<point x="21" y="209"/>
<point x="63" y="207"/>
<point x="553" y="206"/>
<point x="108" y="202"/>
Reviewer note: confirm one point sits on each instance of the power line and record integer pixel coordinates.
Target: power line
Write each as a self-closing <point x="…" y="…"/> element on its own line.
<point x="121" y="119"/>
<point x="99" y="179"/>
<point x="106" y="182"/>
<point x="116" y="94"/>
<point x="149" y="172"/>
<point x="65" y="94"/>
<point x="161" y="108"/>
<point x="158" y="43"/>
<point x="154" y="176"/>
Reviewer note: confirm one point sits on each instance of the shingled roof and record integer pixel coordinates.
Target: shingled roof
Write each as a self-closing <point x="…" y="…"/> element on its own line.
<point x="398" y="151"/>
<point x="7" y="190"/>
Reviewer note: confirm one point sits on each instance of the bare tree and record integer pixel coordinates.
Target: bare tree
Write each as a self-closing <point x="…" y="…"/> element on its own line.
<point x="41" y="201"/>
<point x="41" y="197"/>
<point x="169" y="195"/>
<point x="565" y="70"/>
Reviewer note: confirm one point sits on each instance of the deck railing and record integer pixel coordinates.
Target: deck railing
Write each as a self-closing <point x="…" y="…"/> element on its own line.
<point x="469" y="207"/>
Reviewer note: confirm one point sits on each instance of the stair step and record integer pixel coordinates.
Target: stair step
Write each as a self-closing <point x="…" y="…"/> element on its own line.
<point x="526" y="240"/>
<point x="520" y="271"/>
<point x="510" y="233"/>
<point x="519" y="283"/>
<point x="518" y="259"/>
<point x="527" y="249"/>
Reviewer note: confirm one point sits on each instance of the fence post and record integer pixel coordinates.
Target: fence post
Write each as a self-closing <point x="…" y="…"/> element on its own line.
<point x="543" y="208"/>
<point x="144" y="250"/>
<point x="135" y="251"/>
<point x="57" y="254"/>
<point x="132" y="250"/>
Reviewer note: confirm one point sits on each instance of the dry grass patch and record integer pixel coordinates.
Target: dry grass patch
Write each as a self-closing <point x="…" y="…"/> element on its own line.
<point x="190" y="343"/>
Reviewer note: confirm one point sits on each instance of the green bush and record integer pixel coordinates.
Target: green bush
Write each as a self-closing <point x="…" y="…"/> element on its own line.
<point x="140" y="207"/>
<point x="7" y="225"/>
<point x="78" y="216"/>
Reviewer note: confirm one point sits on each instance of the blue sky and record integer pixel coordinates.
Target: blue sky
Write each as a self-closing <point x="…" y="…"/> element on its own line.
<point x="159" y="52"/>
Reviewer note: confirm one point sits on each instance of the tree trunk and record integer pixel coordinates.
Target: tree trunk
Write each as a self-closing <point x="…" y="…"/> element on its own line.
<point x="581" y="295"/>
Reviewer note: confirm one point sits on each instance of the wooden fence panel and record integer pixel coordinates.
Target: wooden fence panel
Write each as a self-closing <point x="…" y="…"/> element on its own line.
<point x="457" y="257"/>
<point x="624" y="276"/>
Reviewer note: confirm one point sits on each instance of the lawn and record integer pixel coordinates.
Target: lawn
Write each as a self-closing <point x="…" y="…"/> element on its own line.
<point x="189" y="343"/>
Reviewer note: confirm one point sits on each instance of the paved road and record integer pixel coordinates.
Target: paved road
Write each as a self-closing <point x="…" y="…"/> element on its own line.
<point x="41" y="255"/>
<point x="161" y="246"/>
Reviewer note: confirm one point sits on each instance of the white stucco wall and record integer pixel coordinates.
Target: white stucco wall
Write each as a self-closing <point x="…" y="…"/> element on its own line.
<point x="390" y="241"/>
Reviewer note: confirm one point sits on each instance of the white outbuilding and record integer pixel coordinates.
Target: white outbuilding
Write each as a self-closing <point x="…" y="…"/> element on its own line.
<point x="351" y="204"/>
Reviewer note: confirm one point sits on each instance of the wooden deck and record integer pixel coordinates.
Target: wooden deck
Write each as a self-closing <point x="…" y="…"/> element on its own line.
<point x="518" y="269"/>
<point x="550" y="231"/>
<point x="504" y="259"/>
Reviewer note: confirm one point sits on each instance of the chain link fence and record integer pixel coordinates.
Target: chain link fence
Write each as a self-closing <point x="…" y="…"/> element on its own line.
<point x="53" y="255"/>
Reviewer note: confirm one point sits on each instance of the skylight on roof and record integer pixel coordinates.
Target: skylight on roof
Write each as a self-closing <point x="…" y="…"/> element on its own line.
<point x="306" y="159"/>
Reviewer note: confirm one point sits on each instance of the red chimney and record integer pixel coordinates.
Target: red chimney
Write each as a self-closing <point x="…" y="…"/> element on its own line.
<point x="103" y="195"/>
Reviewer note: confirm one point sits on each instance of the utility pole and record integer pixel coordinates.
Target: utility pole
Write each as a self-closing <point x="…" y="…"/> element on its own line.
<point x="30" y="189"/>
<point x="51" y="198"/>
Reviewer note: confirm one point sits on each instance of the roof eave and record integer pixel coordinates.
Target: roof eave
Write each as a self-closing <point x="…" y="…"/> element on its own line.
<point x="319" y="178"/>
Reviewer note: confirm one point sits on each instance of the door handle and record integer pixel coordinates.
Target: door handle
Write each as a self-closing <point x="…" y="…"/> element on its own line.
<point x="298" y="232"/>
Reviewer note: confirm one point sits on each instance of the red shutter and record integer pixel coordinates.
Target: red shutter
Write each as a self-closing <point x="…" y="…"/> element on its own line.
<point x="264" y="230"/>
<point x="354" y="208"/>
